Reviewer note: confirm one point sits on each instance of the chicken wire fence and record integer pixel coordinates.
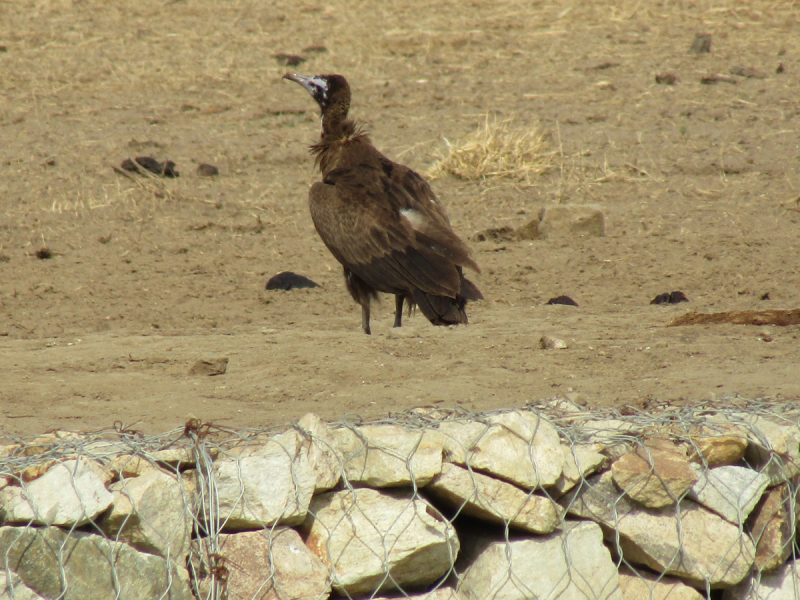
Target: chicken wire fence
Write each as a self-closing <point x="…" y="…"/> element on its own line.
<point x="693" y="501"/>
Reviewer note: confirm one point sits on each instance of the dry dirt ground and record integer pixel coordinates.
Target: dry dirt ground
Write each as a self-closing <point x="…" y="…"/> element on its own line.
<point x="699" y="184"/>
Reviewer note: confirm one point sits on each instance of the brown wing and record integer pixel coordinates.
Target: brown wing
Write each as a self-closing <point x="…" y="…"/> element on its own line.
<point x="390" y="231"/>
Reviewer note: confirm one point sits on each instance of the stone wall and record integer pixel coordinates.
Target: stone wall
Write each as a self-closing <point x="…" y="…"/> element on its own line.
<point x="550" y="501"/>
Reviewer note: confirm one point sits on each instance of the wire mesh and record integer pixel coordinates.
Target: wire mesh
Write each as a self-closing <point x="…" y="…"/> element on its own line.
<point x="550" y="501"/>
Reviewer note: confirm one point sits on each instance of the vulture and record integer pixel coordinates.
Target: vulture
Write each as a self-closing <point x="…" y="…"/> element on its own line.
<point x="381" y="220"/>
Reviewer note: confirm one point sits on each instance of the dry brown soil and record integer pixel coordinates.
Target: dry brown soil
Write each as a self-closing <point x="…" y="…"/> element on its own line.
<point x="699" y="184"/>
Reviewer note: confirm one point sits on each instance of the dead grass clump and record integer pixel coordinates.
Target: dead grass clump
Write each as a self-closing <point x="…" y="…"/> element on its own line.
<point x="498" y="149"/>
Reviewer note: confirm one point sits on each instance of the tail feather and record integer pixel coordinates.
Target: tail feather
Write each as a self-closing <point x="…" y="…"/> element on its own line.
<point x="443" y="310"/>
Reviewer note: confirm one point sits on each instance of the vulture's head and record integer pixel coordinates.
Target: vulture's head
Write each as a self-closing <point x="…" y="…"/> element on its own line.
<point x="331" y="92"/>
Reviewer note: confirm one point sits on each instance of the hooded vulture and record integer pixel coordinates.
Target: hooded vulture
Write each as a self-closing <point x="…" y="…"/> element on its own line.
<point x="381" y="220"/>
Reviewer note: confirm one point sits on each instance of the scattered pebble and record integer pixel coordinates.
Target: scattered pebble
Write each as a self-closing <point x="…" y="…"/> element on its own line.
<point x="748" y="72"/>
<point x="566" y="300"/>
<point x="318" y="49"/>
<point x="149" y="163"/>
<point x="667" y="78"/>
<point x="701" y="44"/>
<point x="765" y="296"/>
<point x="712" y="79"/>
<point x="206" y="170"/>
<point x="288" y="60"/>
<point x="290" y="281"/>
<point x="780" y="69"/>
<point x="210" y="367"/>
<point x="104" y="239"/>
<point x="670" y="298"/>
<point x="549" y="342"/>
<point x="43" y="253"/>
<point x="496" y="234"/>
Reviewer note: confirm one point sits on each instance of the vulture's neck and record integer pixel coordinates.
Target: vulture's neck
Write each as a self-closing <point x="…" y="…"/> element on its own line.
<point x="339" y="136"/>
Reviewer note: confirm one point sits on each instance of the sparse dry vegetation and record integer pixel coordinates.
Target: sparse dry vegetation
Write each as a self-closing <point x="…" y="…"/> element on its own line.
<point x="497" y="149"/>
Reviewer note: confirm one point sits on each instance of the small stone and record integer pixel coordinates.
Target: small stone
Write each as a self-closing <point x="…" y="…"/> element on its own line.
<point x="549" y="342"/>
<point x="206" y="170"/>
<point x="667" y="78"/>
<point x="561" y="220"/>
<point x="209" y="366"/>
<point x="701" y="44"/>
<point x="290" y="281"/>
<point x="322" y="455"/>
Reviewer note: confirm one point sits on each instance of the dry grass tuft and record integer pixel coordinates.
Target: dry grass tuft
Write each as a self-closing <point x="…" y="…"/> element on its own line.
<point x="498" y="149"/>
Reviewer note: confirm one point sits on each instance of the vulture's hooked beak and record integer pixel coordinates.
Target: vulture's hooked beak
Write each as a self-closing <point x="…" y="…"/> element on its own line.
<point x="315" y="85"/>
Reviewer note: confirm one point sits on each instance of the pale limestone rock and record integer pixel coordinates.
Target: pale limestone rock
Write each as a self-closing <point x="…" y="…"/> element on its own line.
<point x="389" y="455"/>
<point x="610" y="432"/>
<point x="322" y="456"/>
<point x="731" y="492"/>
<point x="561" y="220"/>
<point x="654" y="476"/>
<point x="271" y="564"/>
<point x="363" y="533"/>
<point x="41" y="556"/>
<point x="12" y="588"/>
<point x="771" y="528"/>
<point x="550" y="342"/>
<point x="646" y="586"/>
<point x="569" y="565"/>
<point x="580" y="461"/>
<point x="700" y="547"/>
<point x="152" y="514"/>
<point x="516" y="446"/>
<point x="68" y="493"/>
<point x="493" y="500"/>
<point x="273" y="484"/>
<point x="782" y="584"/>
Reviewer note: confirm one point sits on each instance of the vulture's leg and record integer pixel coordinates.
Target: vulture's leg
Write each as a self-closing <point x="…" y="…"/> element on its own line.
<point x="398" y="310"/>
<point x="365" y="317"/>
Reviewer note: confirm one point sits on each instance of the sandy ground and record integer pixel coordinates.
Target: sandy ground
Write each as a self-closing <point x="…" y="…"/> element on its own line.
<point x="698" y="183"/>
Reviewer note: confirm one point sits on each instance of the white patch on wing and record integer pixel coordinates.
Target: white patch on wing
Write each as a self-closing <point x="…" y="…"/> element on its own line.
<point x="415" y="218"/>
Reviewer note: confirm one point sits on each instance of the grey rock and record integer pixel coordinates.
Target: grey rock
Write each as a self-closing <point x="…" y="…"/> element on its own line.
<point x="41" y="556"/>
<point x="731" y="492"/>
<point x="376" y="540"/>
<point x="69" y="493"/>
<point x="569" y="565"/>
<point x="493" y="500"/>
<point x="686" y="541"/>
